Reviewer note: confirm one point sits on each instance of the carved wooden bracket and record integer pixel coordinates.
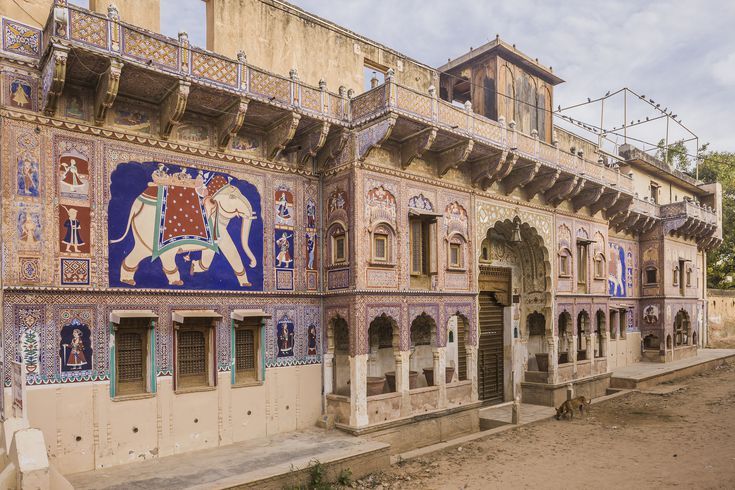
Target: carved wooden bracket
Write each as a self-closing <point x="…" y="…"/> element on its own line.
<point x="374" y="136"/>
<point x="508" y="165"/>
<point x="415" y="146"/>
<point x="561" y="190"/>
<point x="485" y="167"/>
<point x="520" y="176"/>
<point x="454" y="156"/>
<point x="53" y="79"/>
<point x="173" y="107"/>
<point x="230" y="123"/>
<point x="543" y="181"/>
<point x="620" y="207"/>
<point x="587" y="197"/>
<point x="333" y="149"/>
<point x="106" y="92"/>
<point x="609" y="198"/>
<point x="632" y="220"/>
<point x="312" y="141"/>
<point x="281" y="133"/>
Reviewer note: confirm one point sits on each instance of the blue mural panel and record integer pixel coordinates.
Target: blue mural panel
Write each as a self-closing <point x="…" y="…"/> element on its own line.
<point x="620" y="271"/>
<point x="183" y="228"/>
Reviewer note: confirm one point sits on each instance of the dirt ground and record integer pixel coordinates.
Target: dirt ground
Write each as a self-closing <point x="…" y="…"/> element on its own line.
<point x="679" y="434"/>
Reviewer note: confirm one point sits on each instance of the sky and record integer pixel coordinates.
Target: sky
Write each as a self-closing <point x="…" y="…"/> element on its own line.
<point x="681" y="53"/>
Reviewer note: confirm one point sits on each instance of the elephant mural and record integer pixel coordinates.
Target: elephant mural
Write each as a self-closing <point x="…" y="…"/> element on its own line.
<point x="193" y="222"/>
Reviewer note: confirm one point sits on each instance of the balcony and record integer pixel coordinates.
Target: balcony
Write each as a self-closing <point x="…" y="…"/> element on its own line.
<point x="691" y="220"/>
<point x="300" y="122"/>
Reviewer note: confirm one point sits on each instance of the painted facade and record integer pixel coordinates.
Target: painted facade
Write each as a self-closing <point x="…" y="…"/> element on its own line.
<point x="375" y="258"/>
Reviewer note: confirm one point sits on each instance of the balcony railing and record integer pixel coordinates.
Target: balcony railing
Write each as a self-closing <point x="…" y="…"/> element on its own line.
<point x="689" y="209"/>
<point x="108" y="35"/>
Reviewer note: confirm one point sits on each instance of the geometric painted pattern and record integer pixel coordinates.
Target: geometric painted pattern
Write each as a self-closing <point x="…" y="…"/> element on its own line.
<point x="74" y="272"/>
<point x="21" y="39"/>
<point x="30" y="270"/>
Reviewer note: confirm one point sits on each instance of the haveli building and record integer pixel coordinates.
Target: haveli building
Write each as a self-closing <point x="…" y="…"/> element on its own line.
<point x="207" y="246"/>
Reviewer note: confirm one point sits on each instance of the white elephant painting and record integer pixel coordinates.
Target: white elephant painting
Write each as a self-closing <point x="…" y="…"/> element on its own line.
<point x="182" y="219"/>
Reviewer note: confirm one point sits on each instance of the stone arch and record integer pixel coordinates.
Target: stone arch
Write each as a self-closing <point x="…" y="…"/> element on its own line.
<point x="423" y="337"/>
<point x="383" y="345"/>
<point x="535" y="262"/>
<point x="457" y="352"/>
<point x="682" y="328"/>
<point x="339" y="346"/>
<point x="564" y="335"/>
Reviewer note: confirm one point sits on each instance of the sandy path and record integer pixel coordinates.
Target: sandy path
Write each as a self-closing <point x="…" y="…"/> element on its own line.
<point x="684" y="438"/>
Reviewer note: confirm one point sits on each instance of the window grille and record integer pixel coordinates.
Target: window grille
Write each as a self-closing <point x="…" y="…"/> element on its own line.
<point x="129" y="356"/>
<point x="244" y="349"/>
<point x="192" y="353"/>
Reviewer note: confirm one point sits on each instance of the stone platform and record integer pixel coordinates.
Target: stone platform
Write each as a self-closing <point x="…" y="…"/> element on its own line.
<point x="502" y="414"/>
<point x="647" y="374"/>
<point x="273" y="463"/>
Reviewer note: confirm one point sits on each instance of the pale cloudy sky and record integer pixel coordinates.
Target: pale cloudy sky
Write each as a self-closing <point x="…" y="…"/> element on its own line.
<point x="681" y="53"/>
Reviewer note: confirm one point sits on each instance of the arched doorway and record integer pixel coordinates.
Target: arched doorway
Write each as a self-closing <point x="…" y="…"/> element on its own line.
<point x="341" y="363"/>
<point x="600" y="334"/>
<point x="514" y="282"/>
<point x="423" y="341"/>
<point x="383" y="338"/>
<point x="682" y="325"/>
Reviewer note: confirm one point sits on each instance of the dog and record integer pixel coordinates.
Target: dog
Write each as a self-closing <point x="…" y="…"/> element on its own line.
<point x="568" y="407"/>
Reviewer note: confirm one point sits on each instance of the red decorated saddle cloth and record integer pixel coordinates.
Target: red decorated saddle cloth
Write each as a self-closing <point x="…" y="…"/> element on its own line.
<point x="181" y="219"/>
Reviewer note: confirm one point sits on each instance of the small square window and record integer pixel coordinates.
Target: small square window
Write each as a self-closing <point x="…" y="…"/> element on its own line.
<point x="651" y="275"/>
<point x="380" y="247"/>
<point x="455" y="255"/>
<point x="194" y="356"/>
<point x="340" y="252"/>
<point x="564" y="265"/>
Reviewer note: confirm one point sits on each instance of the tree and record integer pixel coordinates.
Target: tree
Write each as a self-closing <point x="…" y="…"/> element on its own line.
<point x="676" y="155"/>
<point x="720" y="167"/>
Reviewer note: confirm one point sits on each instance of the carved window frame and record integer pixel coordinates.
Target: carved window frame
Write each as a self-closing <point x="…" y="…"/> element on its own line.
<point x="565" y="262"/>
<point x="646" y="279"/>
<point x="338" y="232"/>
<point x="599" y="262"/>
<point x="383" y="232"/>
<point x="459" y="242"/>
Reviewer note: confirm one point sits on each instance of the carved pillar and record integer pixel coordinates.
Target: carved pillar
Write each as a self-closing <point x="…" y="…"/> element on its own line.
<point x="472" y="370"/>
<point x="403" y="366"/>
<point x="358" y="391"/>
<point x="552" y="343"/>
<point x="572" y="349"/>
<point x="440" y="376"/>
<point x="329" y="372"/>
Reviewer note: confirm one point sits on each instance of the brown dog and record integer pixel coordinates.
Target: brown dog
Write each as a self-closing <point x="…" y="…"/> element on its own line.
<point x="568" y="407"/>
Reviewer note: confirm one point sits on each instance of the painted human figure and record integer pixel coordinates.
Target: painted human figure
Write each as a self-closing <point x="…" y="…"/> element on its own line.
<point x="282" y="208"/>
<point x="310" y="246"/>
<point x="310" y="214"/>
<point x="70" y="173"/>
<point x="284" y="258"/>
<point x="285" y="339"/>
<point x="28" y="230"/>
<point x="311" y="341"/>
<point x="73" y="238"/>
<point x="29" y="176"/>
<point x="76" y="357"/>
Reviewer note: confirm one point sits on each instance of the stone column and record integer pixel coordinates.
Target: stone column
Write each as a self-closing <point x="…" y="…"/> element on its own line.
<point x="472" y="370"/>
<point x="403" y="365"/>
<point x="440" y="376"/>
<point x="552" y="344"/>
<point x="328" y="372"/>
<point x="572" y="349"/>
<point x="358" y="391"/>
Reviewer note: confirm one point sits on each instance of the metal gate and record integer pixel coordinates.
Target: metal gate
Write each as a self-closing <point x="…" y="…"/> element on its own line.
<point x="490" y="350"/>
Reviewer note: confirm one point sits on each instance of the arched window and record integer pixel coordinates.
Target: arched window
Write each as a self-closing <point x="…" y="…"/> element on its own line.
<point x="565" y="262"/>
<point x="600" y="266"/>
<point x="456" y="252"/>
<point x="676" y="276"/>
<point x="536" y="324"/>
<point x="338" y="251"/>
<point x="382" y="242"/>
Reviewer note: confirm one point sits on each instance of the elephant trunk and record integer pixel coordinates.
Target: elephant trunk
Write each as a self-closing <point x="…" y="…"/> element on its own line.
<point x="247" y="221"/>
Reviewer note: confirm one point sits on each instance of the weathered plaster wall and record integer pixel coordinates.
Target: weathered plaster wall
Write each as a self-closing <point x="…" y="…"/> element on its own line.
<point x="721" y="315"/>
<point x="141" y="13"/>
<point x="279" y="37"/>
<point x="31" y="12"/>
